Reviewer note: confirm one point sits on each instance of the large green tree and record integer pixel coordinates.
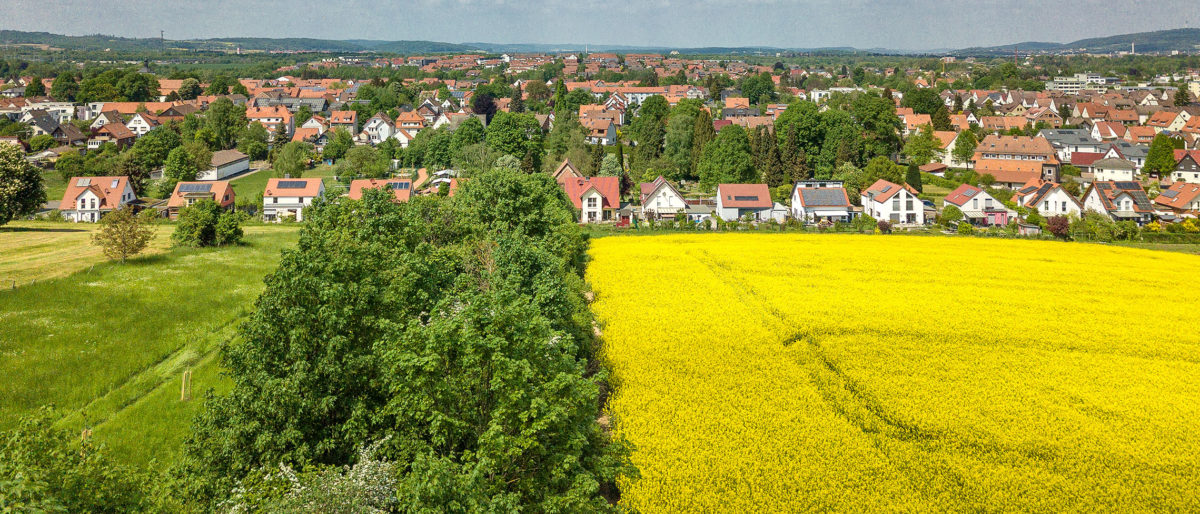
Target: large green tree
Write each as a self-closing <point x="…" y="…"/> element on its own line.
<point x="1161" y="158"/>
<point x="727" y="159"/>
<point x="21" y="189"/>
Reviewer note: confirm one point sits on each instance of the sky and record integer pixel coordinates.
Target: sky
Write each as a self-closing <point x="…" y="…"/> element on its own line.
<point x="891" y="24"/>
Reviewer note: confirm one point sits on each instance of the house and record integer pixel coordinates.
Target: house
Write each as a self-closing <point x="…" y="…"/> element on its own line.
<point x="1108" y="130"/>
<point x="1187" y="169"/>
<point x="897" y="204"/>
<point x="596" y="199"/>
<point x="978" y="207"/>
<point x="814" y="201"/>
<point x="90" y="198"/>
<point x="401" y="188"/>
<point x="1048" y="198"/>
<point x="1015" y="160"/>
<point x="1114" y="169"/>
<point x="734" y="201"/>
<point x="1180" y="198"/>
<point x="410" y="121"/>
<point x="273" y="118"/>
<point x="225" y="163"/>
<point x="377" y="129"/>
<point x="660" y="199"/>
<point x="346" y="120"/>
<point x="947" y="139"/>
<point x="1122" y="201"/>
<point x="187" y="193"/>
<point x="1068" y="141"/>
<point x="141" y="123"/>
<point x="116" y="133"/>
<point x="106" y="117"/>
<point x="1123" y="150"/>
<point x="600" y="131"/>
<point x="287" y="197"/>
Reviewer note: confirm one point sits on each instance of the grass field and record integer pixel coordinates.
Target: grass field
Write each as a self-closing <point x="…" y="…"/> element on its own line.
<point x="253" y="184"/>
<point x="39" y="250"/>
<point x="784" y="372"/>
<point x="107" y="345"/>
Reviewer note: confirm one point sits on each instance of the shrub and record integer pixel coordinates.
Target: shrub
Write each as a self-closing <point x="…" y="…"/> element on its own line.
<point x="1059" y="226"/>
<point x="42" y="142"/>
<point x="965" y="229"/>
<point x="204" y="223"/>
<point x="884" y="226"/>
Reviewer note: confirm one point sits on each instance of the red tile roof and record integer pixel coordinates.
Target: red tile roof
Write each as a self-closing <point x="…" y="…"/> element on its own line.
<point x="219" y="190"/>
<point x="745" y="196"/>
<point x="401" y="188"/>
<point x="609" y="188"/>
<point x="312" y="187"/>
<point x="109" y="189"/>
<point x="1183" y="194"/>
<point x="884" y="190"/>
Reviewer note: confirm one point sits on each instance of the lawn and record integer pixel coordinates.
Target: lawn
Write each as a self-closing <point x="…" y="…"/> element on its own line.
<point x="39" y="250"/>
<point x="54" y="184"/>
<point x="107" y="344"/>
<point x="253" y="184"/>
<point x="803" y="372"/>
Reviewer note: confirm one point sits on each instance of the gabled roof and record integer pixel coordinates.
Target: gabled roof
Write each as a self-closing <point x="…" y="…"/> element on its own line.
<point x="824" y="197"/>
<point x="745" y="196"/>
<point x="401" y="188"/>
<point x="962" y="195"/>
<point x="109" y="189"/>
<point x="296" y="187"/>
<point x="608" y="187"/>
<point x="882" y="190"/>
<point x="1033" y="191"/>
<point x="216" y="190"/>
<point x="648" y="189"/>
<point x="1110" y="190"/>
<point x="1178" y="196"/>
<point x="116" y="129"/>
<point x="565" y="171"/>
<point x="223" y="157"/>
<point x="1115" y="164"/>
<point x="343" y="117"/>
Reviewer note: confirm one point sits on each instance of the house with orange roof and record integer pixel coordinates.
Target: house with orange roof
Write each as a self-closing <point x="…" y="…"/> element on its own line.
<point x="411" y="121"/>
<point x="288" y="197"/>
<point x="1180" y="198"/>
<point x="141" y="123"/>
<point x="1162" y="121"/>
<point x="884" y="200"/>
<point x="115" y="133"/>
<point x="596" y="199"/>
<point x="736" y="201"/>
<point x="1015" y="160"/>
<point x="1121" y="201"/>
<point x="814" y="201"/>
<point x="600" y="131"/>
<point x="347" y="120"/>
<point x="188" y="193"/>
<point x="1139" y="135"/>
<point x="1108" y="131"/>
<point x="401" y="188"/>
<point x="566" y="171"/>
<point x="87" y="199"/>
<point x="272" y="117"/>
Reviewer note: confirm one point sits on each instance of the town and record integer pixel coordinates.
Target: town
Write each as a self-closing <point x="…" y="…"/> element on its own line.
<point x="693" y="142"/>
<point x="248" y="274"/>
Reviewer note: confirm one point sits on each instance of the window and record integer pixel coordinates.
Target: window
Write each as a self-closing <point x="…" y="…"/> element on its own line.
<point x="1046" y="206"/>
<point x="895" y="204"/>
<point x="593" y="202"/>
<point x="1064" y="209"/>
<point x="908" y="204"/>
<point x="987" y="203"/>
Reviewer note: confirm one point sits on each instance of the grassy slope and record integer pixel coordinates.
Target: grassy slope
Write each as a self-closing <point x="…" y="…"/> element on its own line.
<point x="39" y="250"/>
<point x="106" y="345"/>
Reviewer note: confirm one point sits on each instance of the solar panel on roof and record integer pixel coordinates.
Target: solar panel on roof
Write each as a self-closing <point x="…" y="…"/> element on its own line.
<point x="292" y="184"/>
<point x="746" y="198"/>
<point x="399" y="185"/>
<point x="886" y="189"/>
<point x="970" y="192"/>
<point x="1128" y="185"/>
<point x="1170" y="194"/>
<point x="83" y="182"/>
<point x="195" y="188"/>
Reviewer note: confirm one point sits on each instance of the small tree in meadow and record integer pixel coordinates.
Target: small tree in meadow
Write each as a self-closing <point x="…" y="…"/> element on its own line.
<point x="123" y="234"/>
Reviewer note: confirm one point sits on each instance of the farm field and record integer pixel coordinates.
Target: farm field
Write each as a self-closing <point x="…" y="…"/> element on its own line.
<point x="107" y="345"/>
<point x="792" y="372"/>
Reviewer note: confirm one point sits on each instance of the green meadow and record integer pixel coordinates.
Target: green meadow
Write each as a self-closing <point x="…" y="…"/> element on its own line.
<point x="108" y="344"/>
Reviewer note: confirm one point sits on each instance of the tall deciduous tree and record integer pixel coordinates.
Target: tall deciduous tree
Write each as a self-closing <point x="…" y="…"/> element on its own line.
<point x="921" y="147"/>
<point x="64" y="87"/>
<point x="727" y="159"/>
<point x="291" y="160"/>
<point x="1161" y="157"/>
<point x="35" y="88"/>
<point x="964" y="147"/>
<point x="180" y="167"/>
<point x="21" y="189"/>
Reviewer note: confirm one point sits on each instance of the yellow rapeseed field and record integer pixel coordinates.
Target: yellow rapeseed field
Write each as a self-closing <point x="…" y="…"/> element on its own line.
<point x="783" y="373"/>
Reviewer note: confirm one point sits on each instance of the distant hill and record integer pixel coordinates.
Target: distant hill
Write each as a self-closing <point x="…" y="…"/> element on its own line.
<point x="99" y="42"/>
<point x="1161" y="41"/>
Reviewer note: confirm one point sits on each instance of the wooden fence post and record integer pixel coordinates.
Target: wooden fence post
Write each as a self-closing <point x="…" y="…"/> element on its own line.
<point x="185" y="389"/>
